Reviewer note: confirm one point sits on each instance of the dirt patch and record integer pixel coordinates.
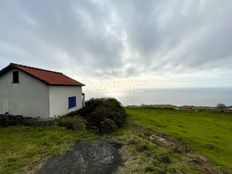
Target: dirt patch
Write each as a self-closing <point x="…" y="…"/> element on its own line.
<point x="86" y="158"/>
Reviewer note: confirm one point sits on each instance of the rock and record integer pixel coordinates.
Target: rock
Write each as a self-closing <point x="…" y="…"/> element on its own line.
<point x="86" y="158"/>
<point x="160" y="140"/>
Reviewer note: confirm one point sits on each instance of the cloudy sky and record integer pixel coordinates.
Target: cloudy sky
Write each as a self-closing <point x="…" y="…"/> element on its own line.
<point x="148" y="43"/>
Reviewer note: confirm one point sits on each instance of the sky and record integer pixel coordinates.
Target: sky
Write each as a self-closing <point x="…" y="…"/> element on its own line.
<point x="122" y="45"/>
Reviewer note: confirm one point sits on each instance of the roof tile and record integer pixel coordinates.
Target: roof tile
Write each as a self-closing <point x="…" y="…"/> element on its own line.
<point x="47" y="76"/>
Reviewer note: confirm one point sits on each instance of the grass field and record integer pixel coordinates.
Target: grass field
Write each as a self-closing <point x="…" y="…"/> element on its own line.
<point x="22" y="148"/>
<point x="208" y="133"/>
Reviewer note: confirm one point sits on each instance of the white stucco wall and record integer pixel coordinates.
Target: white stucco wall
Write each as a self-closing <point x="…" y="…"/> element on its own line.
<point x="30" y="97"/>
<point x="58" y="99"/>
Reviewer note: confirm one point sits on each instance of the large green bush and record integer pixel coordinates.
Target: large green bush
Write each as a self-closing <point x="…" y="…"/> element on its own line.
<point x="103" y="114"/>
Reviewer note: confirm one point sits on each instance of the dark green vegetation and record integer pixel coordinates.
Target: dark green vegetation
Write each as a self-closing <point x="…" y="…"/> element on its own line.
<point x="206" y="133"/>
<point x="14" y="120"/>
<point x="104" y="114"/>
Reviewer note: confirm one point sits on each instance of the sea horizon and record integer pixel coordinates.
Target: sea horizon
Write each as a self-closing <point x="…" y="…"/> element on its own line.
<point x="201" y="96"/>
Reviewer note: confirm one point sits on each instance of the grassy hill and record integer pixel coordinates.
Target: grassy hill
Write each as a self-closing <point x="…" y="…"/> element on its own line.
<point x="208" y="133"/>
<point x="155" y="141"/>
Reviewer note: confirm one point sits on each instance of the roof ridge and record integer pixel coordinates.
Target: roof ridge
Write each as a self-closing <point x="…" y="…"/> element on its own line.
<point x="15" y="64"/>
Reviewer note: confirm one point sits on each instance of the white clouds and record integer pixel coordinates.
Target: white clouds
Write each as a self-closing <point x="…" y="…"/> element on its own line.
<point x="120" y="39"/>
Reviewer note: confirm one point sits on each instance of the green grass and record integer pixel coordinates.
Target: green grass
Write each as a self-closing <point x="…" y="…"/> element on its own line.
<point x="209" y="133"/>
<point x="23" y="148"/>
<point x="142" y="155"/>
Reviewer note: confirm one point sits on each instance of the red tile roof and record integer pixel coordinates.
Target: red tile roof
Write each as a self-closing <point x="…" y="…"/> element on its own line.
<point x="47" y="76"/>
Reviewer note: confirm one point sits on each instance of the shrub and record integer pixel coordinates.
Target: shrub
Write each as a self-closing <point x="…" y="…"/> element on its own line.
<point x="103" y="114"/>
<point x="108" y="109"/>
<point x="7" y="120"/>
<point x="13" y="120"/>
<point x="221" y="107"/>
<point x="74" y="123"/>
<point x="107" y="126"/>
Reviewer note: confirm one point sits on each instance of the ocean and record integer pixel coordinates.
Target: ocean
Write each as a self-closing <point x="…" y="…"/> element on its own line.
<point x="179" y="97"/>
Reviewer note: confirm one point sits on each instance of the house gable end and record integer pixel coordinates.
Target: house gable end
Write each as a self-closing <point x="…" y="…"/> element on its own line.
<point x="12" y="67"/>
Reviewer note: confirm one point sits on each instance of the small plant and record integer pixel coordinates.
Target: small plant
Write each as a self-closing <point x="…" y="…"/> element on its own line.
<point x="74" y="123"/>
<point x="181" y="148"/>
<point x="142" y="147"/>
<point x="164" y="158"/>
<point x="151" y="167"/>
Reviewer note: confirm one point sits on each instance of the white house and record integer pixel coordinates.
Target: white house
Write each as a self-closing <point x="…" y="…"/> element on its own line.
<point x="35" y="92"/>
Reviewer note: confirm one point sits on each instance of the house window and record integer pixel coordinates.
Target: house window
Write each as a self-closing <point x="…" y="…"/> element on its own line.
<point x="15" y="77"/>
<point x="72" y="102"/>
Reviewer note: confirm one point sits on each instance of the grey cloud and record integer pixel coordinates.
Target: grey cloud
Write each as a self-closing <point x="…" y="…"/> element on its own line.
<point x="89" y="35"/>
<point x="159" y="28"/>
<point x="48" y="28"/>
